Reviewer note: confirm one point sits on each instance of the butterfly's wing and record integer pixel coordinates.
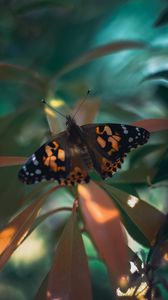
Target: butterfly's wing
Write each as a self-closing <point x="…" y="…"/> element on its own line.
<point x="109" y="143"/>
<point x="58" y="159"/>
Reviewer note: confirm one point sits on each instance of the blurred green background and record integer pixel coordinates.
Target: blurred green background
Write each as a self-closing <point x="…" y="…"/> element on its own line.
<point x="38" y="39"/>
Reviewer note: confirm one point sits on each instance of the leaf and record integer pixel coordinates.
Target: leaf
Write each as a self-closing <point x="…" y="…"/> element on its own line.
<point x="142" y="152"/>
<point x="142" y="215"/>
<point x="136" y="175"/>
<point x="20" y="73"/>
<point x="85" y="115"/>
<point x="102" y="221"/>
<point x="41" y="294"/>
<point x="160" y="75"/>
<point x="96" y="53"/>
<point x="101" y="284"/>
<point x="88" y="111"/>
<point x="69" y="276"/>
<point x="29" y="6"/>
<point x="17" y="230"/>
<point x="162" y="19"/>
<point x="56" y="121"/>
<point x="153" y="125"/>
<point x="20" y="134"/>
<point x="44" y="216"/>
<point x="12" y="160"/>
<point x="161" y="168"/>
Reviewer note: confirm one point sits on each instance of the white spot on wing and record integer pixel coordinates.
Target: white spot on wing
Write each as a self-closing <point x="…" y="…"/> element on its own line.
<point x="33" y="157"/>
<point x="36" y="162"/>
<point x="130" y="139"/>
<point x="125" y="131"/>
<point x="38" y="171"/>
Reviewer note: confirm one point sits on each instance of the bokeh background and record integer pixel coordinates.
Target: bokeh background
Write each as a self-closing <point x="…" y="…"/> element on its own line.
<point x="38" y="40"/>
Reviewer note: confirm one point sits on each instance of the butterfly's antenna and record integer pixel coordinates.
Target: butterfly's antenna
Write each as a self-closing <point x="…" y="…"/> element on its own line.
<point x="58" y="112"/>
<point x="80" y="104"/>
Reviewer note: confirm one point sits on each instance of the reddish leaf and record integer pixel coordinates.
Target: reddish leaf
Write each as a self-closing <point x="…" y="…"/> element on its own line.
<point x="153" y="125"/>
<point x="19" y="73"/>
<point x="16" y="231"/>
<point x="99" y="52"/>
<point x="69" y="276"/>
<point x="102" y="221"/>
<point x="11" y="160"/>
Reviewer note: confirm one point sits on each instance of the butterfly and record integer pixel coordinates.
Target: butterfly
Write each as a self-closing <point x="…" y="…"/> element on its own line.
<point x="70" y="155"/>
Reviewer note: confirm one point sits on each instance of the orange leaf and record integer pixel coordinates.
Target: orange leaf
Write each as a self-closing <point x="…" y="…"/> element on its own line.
<point x="102" y="221"/>
<point x="153" y="125"/>
<point x="12" y="160"/>
<point x="69" y="275"/>
<point x="16" y="231"/>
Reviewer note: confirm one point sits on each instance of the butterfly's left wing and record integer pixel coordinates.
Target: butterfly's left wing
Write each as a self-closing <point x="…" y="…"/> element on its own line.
<point x="109" y="144"/>
<point x="59" y="159"/>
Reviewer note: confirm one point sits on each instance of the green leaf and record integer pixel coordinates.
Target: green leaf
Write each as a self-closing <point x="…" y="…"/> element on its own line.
<point x="162" y="19"/>
<point x="137" y="175"/>
<point x="41" y="294"/>
<point x="157" y="76"/>
<point x="101" y="284"/>
<point x="143" y="217"/>
<point x="142" y="152"/>
<point x="161" y="167"/>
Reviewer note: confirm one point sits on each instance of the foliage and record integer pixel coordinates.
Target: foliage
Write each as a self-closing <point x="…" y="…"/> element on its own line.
<point x="57" y="50"/>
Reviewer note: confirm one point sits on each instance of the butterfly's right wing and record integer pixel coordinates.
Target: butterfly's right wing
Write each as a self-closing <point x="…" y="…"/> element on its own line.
<point x="109" y="144"/>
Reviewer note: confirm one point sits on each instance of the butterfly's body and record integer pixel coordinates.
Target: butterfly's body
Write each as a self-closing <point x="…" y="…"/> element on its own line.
<point x="71" y="154"/>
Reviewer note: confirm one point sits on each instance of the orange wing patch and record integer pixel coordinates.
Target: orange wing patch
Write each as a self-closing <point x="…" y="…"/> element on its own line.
<point x="61" y="155"/>
<point x="101" y="142"/>
<point x="50" y="159"/>
<point x="106" y="137"/>
<point x="114" y="140"/>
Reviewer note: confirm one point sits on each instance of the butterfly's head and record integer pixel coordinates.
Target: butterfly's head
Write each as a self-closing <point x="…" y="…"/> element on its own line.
<point x="70" y="122"/>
